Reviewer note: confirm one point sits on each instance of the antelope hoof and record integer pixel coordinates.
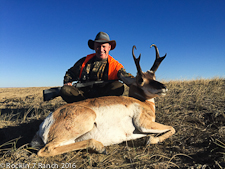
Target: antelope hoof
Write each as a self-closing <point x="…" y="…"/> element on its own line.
<point x="153" y="140"/>
<point x="101" y="151"/>
<point x="104" y="152"/>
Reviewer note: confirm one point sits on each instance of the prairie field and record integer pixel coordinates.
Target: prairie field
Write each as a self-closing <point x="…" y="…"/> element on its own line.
<point x="195" y="108"/>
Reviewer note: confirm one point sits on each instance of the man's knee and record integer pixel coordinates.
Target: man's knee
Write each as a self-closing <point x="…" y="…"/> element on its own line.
<point x="66" y="90"/>
<point x="114" y="89"/>
<point x="71" y="94"/>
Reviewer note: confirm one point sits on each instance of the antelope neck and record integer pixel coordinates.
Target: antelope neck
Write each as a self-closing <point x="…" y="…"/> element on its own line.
<point x="151" y="103"/>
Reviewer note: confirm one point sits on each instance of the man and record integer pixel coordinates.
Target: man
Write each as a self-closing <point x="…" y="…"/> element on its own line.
<point x="99" y="66"/>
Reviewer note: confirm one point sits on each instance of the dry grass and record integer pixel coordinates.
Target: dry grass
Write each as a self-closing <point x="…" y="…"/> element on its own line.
<point x="196" y="109"/>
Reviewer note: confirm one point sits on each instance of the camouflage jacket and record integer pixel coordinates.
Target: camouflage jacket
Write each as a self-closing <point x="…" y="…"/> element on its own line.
<point x="94" y="70"/>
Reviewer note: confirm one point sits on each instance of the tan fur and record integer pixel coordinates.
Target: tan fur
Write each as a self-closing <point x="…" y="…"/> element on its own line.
<point x="69" y="120"/>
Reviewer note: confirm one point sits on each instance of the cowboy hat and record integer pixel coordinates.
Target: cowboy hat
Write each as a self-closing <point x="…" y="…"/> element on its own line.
<point x="102" y="37"/>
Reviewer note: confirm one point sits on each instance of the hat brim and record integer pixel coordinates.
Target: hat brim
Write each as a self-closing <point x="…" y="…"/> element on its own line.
<point x="91" y="43"/>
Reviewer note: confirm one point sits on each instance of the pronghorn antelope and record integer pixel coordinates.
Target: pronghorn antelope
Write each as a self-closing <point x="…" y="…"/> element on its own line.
<point x="98" y="122"/>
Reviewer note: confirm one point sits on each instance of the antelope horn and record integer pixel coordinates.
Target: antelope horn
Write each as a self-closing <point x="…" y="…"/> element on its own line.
<point x="158" y="59"/>
<point x="137" y="61"/>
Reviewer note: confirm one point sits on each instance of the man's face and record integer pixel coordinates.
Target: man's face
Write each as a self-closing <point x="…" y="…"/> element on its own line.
<point x="102" y="50"/>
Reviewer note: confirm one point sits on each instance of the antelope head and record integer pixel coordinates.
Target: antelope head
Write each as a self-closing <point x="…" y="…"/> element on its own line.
<point x="145" y="86"/>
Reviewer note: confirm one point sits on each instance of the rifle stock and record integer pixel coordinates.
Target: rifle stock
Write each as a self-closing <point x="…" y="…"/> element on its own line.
<point x="51" y="93"/>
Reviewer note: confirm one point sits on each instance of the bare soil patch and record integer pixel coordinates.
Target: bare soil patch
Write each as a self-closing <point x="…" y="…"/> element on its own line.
<point x="196" y="109"/>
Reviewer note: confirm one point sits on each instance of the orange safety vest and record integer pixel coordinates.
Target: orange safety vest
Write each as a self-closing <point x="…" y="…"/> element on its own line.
<point x="114" y="66"/>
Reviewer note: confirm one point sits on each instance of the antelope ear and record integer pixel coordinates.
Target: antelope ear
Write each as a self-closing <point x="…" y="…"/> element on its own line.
<point x="140" y="81"/>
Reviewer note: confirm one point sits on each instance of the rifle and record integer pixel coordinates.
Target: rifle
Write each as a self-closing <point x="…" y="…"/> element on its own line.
<point x="54" y="92"/>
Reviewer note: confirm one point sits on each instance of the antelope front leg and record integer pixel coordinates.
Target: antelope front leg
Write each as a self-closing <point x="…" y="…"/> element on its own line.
<point x="147" y="125"/>
<point x="160" y="128"/>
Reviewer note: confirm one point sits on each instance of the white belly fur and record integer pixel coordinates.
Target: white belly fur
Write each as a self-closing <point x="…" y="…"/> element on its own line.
<point x="45" y="126"/>
<point x="113" y="126"/>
